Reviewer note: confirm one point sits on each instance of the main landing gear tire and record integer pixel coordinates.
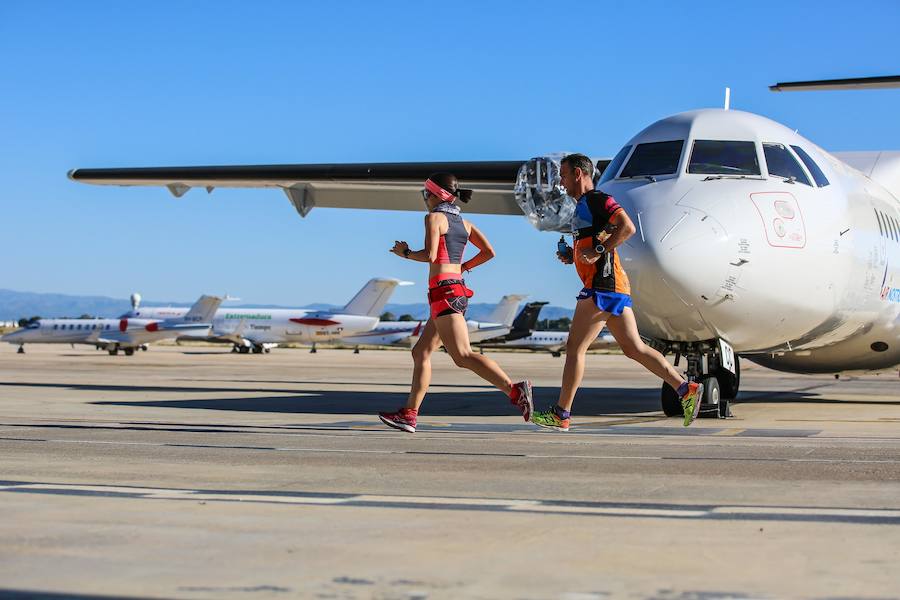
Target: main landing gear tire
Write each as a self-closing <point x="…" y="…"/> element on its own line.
<point x="128" y="351"/>
<point x="21" y="350"/>
<point x="244" y="350"/>
<point x="114" y="351"/>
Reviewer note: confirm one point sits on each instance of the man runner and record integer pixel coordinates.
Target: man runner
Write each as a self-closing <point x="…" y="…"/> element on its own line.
<point x="600" y="226"/>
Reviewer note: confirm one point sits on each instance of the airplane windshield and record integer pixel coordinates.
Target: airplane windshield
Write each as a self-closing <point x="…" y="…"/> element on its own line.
<point x="782" y="164"/>
<point x="35" y="325"/>
<point x="720" y="157"/>
<point x="654" y="158"/>
<point x="614" y="165"/>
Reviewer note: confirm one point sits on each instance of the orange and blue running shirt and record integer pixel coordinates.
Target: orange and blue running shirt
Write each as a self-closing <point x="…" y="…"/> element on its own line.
<point x="592" y="214"/>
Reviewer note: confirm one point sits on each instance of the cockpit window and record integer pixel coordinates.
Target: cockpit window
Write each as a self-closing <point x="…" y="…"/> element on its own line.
<point x="34" y="325"/>
<point x="814" y="169"/>
<point x="614" y="165"/>
<point x="718" y="157"/>
<point x="782" y="163"/>
<point x="654" y="158"/>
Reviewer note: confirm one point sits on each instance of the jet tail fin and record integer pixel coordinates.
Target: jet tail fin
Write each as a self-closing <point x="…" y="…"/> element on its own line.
<point x="203" y="309"/>
<point x="372" y="298"/>
<point x="527" y="318"/>
<point x="505" y="311"/>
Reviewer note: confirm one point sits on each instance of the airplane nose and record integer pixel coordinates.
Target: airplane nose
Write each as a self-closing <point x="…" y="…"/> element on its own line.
<point x="679" y="265"/>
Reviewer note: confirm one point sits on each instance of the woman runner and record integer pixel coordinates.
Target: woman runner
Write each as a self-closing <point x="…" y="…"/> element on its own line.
<point x="446" y="234"/>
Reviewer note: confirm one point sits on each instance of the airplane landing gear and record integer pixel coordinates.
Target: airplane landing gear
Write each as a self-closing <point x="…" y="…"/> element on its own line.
<point x="21" y="350"/>
<point x="113" y="350"/>
<point x="257" y="349"/>
<point x="128" y="351"/>
<point x="313" y="349"/>
<point x="706" y="366"/>
<point x="356" y="350"/>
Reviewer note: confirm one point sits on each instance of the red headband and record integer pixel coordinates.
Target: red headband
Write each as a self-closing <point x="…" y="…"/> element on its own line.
<point x="438" y="191"/>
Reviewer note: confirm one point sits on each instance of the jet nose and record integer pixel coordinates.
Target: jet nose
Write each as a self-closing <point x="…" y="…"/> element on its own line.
<point x="678" y="266"/>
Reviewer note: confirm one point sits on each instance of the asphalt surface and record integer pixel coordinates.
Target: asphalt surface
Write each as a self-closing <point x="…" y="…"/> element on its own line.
<point x="196" y="473"/>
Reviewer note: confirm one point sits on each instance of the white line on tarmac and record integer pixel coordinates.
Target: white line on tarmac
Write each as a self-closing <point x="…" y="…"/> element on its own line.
<point x="452" y="453"/>
<point x="889" y="516"/>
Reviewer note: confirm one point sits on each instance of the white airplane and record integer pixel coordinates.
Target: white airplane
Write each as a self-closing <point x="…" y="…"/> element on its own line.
<point x="257" y="330"/>
<point x="125" y="333"/>
<point x="751" y="240"/>
<point x="406" y="333"/>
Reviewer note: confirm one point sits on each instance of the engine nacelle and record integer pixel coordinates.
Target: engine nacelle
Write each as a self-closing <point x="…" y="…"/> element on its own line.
<point x="541" y="197"/>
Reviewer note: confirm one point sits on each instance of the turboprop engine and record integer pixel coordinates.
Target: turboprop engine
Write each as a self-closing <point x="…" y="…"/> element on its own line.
<point x="541" y="197"/>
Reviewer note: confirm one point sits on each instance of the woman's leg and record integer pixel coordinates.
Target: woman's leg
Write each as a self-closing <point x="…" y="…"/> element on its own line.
<point x="586" y="326"/>
<point x="455" y="336"/>
<point x="624" y="329"/>
<point x="421" y="353"/>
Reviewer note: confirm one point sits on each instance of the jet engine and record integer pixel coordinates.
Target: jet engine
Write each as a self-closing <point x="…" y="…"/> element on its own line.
<point x="541" y="197"/>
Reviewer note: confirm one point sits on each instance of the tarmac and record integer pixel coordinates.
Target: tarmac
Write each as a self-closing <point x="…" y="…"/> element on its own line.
<point x="191" y="472"/>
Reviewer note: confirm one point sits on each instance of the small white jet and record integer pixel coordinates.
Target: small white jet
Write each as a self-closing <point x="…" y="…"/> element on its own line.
<point x="125" y="333"/>
<point x="257" y="330"/>
<point x="751" y="239"/>
<point x="406" y="333"/>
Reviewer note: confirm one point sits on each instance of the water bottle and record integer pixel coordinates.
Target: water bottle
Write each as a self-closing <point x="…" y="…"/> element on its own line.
<point x="563" y="248"/>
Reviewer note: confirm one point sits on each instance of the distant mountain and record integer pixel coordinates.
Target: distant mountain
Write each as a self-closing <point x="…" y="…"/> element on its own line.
<point x="16" y="305"/>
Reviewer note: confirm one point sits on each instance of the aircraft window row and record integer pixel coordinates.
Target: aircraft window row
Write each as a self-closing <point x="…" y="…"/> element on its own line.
<point x="888" y="226"/>
<point x="654" y="158"/>
<point x="72" y="326"/>
<point x="720" y="157"/>
<point x="782" y="163"/>
<point x="815" y="171"/>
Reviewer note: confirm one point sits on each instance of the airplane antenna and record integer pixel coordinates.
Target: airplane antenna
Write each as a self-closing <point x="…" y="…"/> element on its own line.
<point x="727" y="98"/>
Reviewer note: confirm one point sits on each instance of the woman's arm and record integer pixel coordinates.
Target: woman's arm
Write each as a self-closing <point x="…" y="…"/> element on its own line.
<point x="432" y="241"/>
<point x="486" y="250"/>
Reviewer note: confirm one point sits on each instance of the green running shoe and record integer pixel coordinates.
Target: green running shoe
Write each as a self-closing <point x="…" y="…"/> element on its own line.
<point x="690" y="402"/>
<point x="550" y="420"/>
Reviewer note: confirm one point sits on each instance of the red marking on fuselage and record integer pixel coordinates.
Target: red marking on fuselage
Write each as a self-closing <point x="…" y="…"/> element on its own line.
<point x="315" y="322"/>
<point x="154" y="326"/>
<point x="123" y="325"/>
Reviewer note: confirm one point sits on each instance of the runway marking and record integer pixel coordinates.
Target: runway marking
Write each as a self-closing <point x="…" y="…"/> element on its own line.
<point x="510" y="505"/>
<point x="566" y="456"/>
<point x="731" y="431"/>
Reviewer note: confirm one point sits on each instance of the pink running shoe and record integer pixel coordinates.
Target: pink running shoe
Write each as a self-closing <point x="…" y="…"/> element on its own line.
<point x="404" y="419"/>
<point x="523" y="399"/>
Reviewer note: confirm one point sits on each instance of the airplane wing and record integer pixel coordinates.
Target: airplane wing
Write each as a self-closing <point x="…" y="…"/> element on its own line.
<point x="856" y="83"/>
<point x="390" y="186"/>
<point x="387" y="186"/>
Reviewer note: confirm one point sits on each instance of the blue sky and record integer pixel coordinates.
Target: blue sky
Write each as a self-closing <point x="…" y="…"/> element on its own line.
<point x="107" y="84"/>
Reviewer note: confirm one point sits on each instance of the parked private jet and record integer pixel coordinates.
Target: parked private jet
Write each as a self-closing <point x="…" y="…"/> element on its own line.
<point x="259" y="329"/>
<point x="125" y="333"/>
<point x="751" y="239"/>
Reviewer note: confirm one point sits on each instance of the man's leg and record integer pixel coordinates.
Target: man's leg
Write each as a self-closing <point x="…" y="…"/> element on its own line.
<point x="586" y="326"/>
<point x="624" y="329"/>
